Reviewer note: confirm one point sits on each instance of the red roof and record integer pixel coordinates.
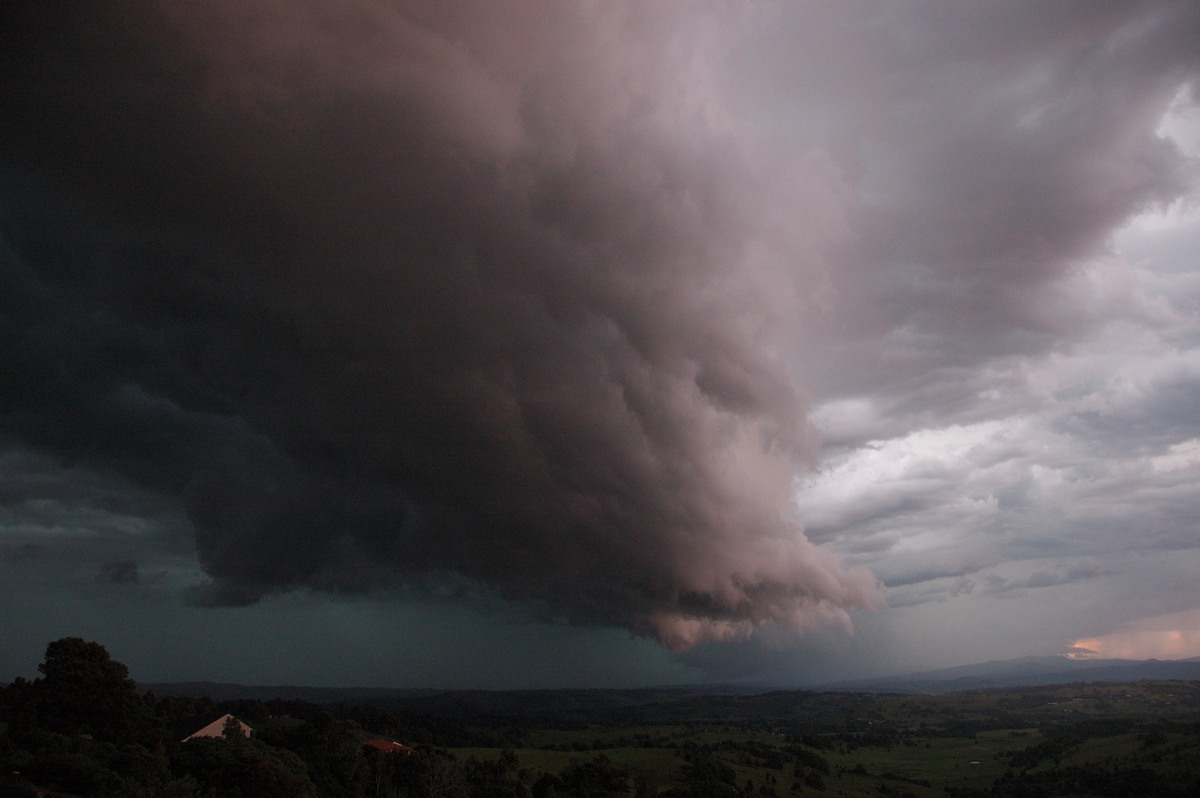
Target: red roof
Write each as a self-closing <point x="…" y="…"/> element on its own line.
<point x="389" y="746"/>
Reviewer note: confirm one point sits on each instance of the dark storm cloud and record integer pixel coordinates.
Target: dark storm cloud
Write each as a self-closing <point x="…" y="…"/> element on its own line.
<point x="1061" y="574"/>
<point x="384" y="290"/>
<point x="122" y="572"/>
<point x="15" y="555"/>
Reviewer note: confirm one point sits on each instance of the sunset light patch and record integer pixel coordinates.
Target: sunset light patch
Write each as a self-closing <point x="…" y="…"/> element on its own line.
<point x="1174" y="636"/>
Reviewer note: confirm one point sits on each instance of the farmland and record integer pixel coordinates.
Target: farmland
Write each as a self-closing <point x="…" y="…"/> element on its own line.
<point x="1073" y="739"/>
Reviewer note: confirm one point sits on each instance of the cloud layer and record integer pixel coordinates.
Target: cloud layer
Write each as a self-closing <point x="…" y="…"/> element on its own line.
<point x="686" y="318"/>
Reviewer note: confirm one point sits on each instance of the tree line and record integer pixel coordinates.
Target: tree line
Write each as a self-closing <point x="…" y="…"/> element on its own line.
<point x="82" y="728"/>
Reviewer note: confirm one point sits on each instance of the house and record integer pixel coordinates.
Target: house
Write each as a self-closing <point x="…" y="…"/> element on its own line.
<point x="217" y="728"/>
<point x="388" y="746"/>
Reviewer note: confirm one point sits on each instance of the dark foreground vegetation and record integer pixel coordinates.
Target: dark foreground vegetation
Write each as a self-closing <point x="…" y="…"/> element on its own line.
<point x="84" y="729"/>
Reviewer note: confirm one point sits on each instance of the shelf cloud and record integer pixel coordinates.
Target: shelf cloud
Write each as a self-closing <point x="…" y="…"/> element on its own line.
<point x="394" y="291"/>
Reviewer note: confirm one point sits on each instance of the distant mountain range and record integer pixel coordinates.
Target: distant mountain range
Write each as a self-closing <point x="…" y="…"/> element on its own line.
<point x="1025" y="672"/>
<point x="454" y="703"/>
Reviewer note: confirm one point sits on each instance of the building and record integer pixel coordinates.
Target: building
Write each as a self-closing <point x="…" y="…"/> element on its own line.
<point x="217" y="728"/>
<point x="388" y="746"/>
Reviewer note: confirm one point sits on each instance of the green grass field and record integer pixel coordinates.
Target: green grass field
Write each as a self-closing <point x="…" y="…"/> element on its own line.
<point x="906" y="745"/>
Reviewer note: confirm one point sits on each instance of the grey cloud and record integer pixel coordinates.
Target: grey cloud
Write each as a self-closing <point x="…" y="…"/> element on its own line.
<point x="23" y="552"/>
<point x="950" y="560"/>
<point x="998" y="579"/>
<point x="1000" y="152"/>
<point x="995" y="154"/>
<point x="1147" y="416"/>
<point x="120" y="572"/>
<point x="1059" y="575"/>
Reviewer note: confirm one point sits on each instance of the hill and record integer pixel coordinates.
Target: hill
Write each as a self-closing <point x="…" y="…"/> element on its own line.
<point x="1026" y="672"/>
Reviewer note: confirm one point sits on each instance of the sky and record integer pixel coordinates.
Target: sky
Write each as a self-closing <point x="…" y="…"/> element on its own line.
<point x="599" y="343"/>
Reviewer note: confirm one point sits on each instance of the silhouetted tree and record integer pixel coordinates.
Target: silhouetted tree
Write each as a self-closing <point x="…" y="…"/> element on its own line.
<point x="243" y="768"/>
<point x="84" y="691"/>
<point x="332" y="750"/>
<point x="597" y="777"/>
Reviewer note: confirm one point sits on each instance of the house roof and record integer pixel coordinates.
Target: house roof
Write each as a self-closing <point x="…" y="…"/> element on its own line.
<point x="389" y="746"/>
<point x="215" y="728"/>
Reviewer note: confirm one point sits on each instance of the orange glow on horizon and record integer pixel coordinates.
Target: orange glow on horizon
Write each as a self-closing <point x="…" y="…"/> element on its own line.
<point x="1175" y="636"/>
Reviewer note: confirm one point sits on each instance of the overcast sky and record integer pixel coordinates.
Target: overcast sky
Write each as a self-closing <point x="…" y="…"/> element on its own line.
<point x="534" y="344"/>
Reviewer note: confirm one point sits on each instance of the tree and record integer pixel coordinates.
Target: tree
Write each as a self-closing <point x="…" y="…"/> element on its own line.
<point x="84" y="691"/>
<point x="331" y="749"/>
<point x="598" y="777"/>
<point x="232" y="730"/>
<point x="242" y="768"/>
